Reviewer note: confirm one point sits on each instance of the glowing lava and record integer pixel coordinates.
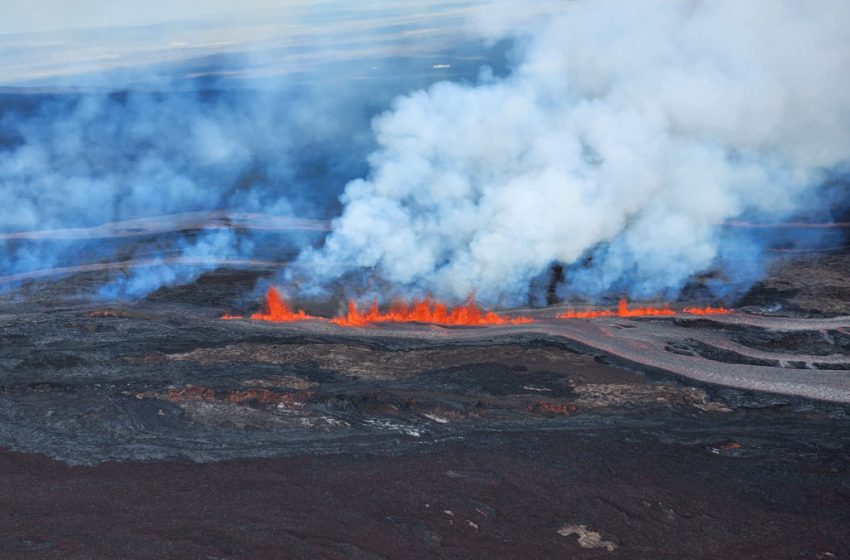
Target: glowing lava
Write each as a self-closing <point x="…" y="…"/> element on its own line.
<point x="420" y="311"/>
<point x="469" y="314"/>
<point x="426" y="311"/>
<point x="572" y="314"/>
<point x="277" y="310"/>
<point x="622" y="311"/>
<point x="708" y="310"/>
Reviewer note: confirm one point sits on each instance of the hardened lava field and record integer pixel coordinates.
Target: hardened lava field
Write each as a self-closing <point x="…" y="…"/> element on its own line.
<point x="574" y="437"/>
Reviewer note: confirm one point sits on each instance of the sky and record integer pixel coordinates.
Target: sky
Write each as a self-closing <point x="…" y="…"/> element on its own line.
<point x="48" y="42"/>
<point x="49" y="15"/>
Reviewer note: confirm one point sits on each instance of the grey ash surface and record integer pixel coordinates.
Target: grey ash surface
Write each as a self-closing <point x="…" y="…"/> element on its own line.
<point x="155" y="430"/>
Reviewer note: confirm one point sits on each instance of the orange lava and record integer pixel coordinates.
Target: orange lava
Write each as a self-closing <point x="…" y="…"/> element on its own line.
<point x="278" y="311"/>
<point x="708" y="310"/>
<point x="425" y="311"/>
<point x="622" y="311"/>
<point x="420" y="311"/>
<point x="571" y="314"/>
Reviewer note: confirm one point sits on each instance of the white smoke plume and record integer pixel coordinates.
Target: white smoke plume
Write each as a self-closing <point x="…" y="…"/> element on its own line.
<point x="256" y="112"/>
<point x="628" y="132"/>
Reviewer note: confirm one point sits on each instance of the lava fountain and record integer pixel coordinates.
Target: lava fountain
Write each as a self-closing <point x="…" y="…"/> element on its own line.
<point x="426" y="311"/>
<point x="276" y="310"/>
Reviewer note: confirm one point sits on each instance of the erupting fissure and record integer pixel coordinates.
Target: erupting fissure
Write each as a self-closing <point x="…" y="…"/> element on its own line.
<point x="426" y="311"/>
<point x="276" y="310"/>
<point x="624" y="311"/>
<point x="420" y="311"/>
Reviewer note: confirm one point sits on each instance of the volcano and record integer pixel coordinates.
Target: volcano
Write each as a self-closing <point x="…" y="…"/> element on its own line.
<point x="446" y="280"/>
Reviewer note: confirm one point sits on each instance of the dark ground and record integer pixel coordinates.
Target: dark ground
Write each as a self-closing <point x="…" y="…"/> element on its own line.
<point x="154" y="430"/>
<point x="490" y="496"/>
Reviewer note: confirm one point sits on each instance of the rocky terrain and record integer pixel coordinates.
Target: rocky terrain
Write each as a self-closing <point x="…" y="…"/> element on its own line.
<point x="156" y="430"/>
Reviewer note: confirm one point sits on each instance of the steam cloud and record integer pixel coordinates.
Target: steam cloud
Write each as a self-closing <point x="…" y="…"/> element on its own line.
<point x="624" y="138"/>
<point x="85" y="160"/>
<point x="111" y="125"/>
<point x="621" y="140"/>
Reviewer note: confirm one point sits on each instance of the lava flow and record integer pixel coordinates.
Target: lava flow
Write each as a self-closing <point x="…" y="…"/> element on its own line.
<point x="426" y="311"/>
<point x="276" y="310"/>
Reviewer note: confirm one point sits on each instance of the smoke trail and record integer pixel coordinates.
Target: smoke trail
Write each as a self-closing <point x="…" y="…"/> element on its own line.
<point x="624" y="138"/>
